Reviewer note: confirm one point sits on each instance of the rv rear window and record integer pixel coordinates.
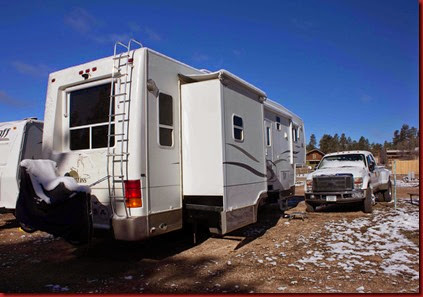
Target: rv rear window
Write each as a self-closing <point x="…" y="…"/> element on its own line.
<point x="238" y="126"/>
<point x="89" y="106"/>
<point x="165" y="120"/>
<point x="89" y="116"/>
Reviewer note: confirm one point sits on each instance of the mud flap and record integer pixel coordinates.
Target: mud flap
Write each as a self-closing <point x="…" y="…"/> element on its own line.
<point x="68" y="216"/>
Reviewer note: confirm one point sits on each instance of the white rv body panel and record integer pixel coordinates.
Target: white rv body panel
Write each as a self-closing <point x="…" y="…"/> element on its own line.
<point x="287" y="145"/>
<point x="19" y="140"/>
<point x="202" y="142"/>
<point x="194" y="139"/>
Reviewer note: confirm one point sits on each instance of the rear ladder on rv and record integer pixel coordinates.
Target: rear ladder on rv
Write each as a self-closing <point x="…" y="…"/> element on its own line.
<point x="117" y="151"/>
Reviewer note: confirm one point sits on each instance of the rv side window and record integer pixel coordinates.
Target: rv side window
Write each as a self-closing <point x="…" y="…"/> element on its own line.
<point x="238" y="126"/>
<point x="268" y="143"/>
<point x="89" y="117"/>
<point x="165" y="120"/>
<point x="278" y="123"/>
<point x="295" y="133"/>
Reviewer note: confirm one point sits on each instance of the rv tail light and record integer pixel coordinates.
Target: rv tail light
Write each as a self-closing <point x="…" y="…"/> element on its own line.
<point x="81" y="72"/>
<point x="87" y="70"/>
<point x="130" y="60"/>
<point x="94" y="69"/>
<point x="133" y="193"/>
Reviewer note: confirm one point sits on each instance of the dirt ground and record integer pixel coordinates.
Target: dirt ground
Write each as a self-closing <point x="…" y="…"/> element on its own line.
<point x="339" y="249"/>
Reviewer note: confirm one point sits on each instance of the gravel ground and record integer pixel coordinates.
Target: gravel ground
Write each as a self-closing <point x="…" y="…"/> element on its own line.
<point x="337" y="250"/>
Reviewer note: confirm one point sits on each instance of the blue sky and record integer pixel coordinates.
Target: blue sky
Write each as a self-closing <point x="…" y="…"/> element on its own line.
<point x="342" y="65"/>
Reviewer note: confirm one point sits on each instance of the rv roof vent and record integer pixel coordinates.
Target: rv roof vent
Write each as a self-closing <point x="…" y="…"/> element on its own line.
<point x="31" y="118"/>
<point x="205" y="70"/>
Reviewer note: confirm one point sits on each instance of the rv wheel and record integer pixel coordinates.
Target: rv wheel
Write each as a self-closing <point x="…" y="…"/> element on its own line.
<point x="26" y="228"/>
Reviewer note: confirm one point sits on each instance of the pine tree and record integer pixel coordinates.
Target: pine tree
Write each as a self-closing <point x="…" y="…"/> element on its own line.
<point x="312" y="143"/>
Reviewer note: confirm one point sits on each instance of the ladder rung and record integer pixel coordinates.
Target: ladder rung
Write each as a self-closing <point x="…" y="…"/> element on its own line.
<point x="117" y="155"/>
<point x="117" y="114"/>
<point x="125" y="120"/>
<point x="117" y="95"/>
<point x="122" y="140"/>
<point x="117" y="134"/>
<point x="116" y="161"/>
<point x="120" y="57"/>
<point x="118" y="75"/>
<point x="123" y="101"/>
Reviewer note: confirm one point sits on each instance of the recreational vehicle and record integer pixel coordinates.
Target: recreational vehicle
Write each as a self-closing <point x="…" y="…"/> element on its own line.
<point x="171" y="142"/>
<point x="18" y="140"/>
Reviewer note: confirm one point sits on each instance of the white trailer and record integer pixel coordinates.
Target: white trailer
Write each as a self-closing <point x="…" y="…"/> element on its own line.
<point x="175" y="143"/>
<point x="18" y="140"/>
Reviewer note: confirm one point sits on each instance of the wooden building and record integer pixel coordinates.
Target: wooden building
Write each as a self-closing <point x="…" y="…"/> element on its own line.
<point x="313" y="157"/>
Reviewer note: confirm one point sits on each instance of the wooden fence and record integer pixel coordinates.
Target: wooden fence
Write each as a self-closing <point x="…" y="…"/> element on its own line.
<point x="406" y="166"/>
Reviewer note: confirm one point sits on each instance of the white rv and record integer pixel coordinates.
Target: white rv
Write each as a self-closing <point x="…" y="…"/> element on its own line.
<point x="18" y="140"/>
<point x="173" y="141"/>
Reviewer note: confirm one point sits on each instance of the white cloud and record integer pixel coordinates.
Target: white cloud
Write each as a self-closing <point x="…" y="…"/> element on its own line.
<point x="366" y="98"/>
<point x="237" y="52"/>
<point x="152" y="35"/>
<point x="8" y="100"/>
<point x="34" y="70"/>
<point x="198" y="57"/>
<point x="81" y="21"/>
<point x="302" y="24"/>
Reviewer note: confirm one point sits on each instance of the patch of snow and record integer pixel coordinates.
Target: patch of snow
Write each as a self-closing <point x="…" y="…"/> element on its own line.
<point x="403" y="184"/>
<point x="380" y="235"/>
<point x="43" y="174"/>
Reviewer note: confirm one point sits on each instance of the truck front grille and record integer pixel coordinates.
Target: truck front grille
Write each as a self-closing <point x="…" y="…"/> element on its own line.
<point x="333" y="183"/>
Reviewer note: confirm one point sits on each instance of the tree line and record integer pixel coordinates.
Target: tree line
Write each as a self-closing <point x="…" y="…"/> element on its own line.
<point x="407" y="138"/>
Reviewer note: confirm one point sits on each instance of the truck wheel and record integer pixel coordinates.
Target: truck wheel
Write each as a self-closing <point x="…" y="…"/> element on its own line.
<point x="367" y="203"/>
<point x="387" y="195"/>
<point x="310" y="207"/>
<point x="380" y="197"/>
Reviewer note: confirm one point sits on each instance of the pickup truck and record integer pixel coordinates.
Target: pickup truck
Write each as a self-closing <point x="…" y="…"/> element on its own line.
<point x="348" y="177"/>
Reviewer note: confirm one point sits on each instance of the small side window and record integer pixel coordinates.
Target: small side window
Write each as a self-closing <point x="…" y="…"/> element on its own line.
<point x="268" y="141"/>
<point x="238" y="127"/>
<point x="278" y="123"/>
<point x="295" y="133"/>
<point x="165" y="120"/>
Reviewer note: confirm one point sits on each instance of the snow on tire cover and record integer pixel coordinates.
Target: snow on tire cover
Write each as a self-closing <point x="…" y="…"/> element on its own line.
<point x="56" y="205"/>
<point x="43" y="172"/>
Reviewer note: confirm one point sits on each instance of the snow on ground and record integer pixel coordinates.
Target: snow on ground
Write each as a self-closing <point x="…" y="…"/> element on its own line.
<point x="353" y="244"/>
<point x="403" y="184"/>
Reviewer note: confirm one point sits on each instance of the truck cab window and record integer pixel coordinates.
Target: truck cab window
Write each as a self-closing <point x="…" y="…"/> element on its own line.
<point x="165" y="120"/>
<point x="89" y="117"/>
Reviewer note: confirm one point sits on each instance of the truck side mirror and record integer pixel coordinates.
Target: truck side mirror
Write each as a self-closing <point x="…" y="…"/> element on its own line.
<point x="372" y="166"/>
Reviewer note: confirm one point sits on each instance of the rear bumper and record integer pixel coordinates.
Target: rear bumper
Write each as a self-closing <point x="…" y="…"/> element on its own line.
<point x="341" y="197"/>
<point x="141" y="227"/>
